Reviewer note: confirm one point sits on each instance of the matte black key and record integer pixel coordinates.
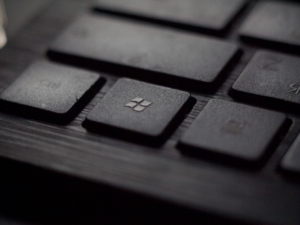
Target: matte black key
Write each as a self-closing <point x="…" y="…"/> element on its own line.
<point x="51" y="91"/>
<point x="138" y="111"/>
<point x="273" y="76"/>
<point x="233" y="130"/>
<point x="210" y="14"/>
<point x="167" y="52"/>
<point x="276" y="22"/>
<point x="291" y="161"/>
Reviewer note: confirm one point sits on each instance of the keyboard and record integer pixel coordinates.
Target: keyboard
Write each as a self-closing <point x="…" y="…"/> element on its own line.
<point x="152" y="112"/>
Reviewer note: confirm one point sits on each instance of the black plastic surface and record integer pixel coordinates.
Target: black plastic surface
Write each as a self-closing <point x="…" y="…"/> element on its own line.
<point x="53" y="174"/>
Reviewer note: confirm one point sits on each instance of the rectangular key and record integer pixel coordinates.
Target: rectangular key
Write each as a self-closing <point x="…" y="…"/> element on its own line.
<point x="274" y="22"/>
<point x="138" y="111"/>
<point x="233" y="131"/>
<point x="210" y="14"/>
<point x="291" y="161"/>
<point x="50" y="92"/>
<point x="171" y="54"/>
<point x="272" y="78"/>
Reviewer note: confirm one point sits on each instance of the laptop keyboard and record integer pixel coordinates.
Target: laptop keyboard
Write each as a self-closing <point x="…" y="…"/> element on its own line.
<point x="197" y="87"/>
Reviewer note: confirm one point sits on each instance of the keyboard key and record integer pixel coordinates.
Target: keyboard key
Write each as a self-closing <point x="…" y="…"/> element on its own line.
<point x="291" y="161"/>
<point x="210" y="14"/>
<point x="169" y="53"/>
<point x="138" y="111"/>
<point x="233" y="131"/>
<point x="51" y="92"/>
<point x="276" y="22"/>
<point x="273" y="76"/>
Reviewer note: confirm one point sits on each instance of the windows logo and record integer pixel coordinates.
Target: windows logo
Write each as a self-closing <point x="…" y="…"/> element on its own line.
<point x="138" y="104"/>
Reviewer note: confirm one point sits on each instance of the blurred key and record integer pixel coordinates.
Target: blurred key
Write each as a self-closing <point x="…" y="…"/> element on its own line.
<point x="20" y="12"/>
<point x="209" y="14"/>
<point x="113" y="42"/>
<point x="272" y="78"/>
<point x="275" y="22"/>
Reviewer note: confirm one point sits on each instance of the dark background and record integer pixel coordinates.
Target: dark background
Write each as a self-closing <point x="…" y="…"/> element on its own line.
<point x="51" y="174"/>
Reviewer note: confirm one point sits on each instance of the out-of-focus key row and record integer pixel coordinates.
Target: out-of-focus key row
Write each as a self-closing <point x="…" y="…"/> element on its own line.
<point x="272" y="22"/>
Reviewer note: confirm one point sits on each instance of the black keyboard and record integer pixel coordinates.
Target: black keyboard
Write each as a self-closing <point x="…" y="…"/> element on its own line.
<point x="152" y="112"/>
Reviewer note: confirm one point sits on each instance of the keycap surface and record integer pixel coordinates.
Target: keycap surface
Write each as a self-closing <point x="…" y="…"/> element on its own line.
<point x="233" y="130"/>
<point x="145" y="47"/>
<point x="211" y="14"/>
<point x="50" y="89"/>
<point x="138" y="107"/>
<point x="275" y="22"/>
<point x="271" y="75"/>
<point x="291" y="161"/>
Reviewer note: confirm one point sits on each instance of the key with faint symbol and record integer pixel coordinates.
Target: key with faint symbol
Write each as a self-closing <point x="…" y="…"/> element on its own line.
<point x="234" y="132"/>
<point x="139" y="111"/>
<point x="272" y="78"/>
<point x="50" y="92"/>
<point x="3" y="22"/>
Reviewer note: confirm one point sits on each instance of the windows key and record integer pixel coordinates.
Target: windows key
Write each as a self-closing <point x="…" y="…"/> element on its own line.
<point x="139" y="112"/>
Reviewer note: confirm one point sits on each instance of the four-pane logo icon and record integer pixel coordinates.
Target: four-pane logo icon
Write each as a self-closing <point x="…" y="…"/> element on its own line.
<point x="138" y="104"/>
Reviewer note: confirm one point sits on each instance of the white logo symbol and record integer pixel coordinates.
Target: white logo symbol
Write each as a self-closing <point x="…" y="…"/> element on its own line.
<point x="138" y="104"/>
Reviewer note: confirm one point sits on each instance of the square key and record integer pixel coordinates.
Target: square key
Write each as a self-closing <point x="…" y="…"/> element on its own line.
<point x="209" y="14"/>
<point x="274" y="21"/>
<point x="51" y="92"/>
<point x="138" y="111"/>
<point x="271" y="75"/>
<point x="234" y="130"/>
